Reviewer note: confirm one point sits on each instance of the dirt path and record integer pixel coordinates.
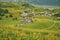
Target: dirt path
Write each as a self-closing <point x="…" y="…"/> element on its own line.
<point x="51" y="25"/>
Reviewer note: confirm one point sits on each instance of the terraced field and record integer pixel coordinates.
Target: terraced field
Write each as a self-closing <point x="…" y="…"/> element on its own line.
<point x="42" y="27"/>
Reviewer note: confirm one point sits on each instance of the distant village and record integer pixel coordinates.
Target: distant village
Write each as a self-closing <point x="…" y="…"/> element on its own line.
<point x="28" y="15"/>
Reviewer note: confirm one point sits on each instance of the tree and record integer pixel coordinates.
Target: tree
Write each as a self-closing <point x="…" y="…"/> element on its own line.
<point x="0" y="18"/>
<point x="1" y="10"/>
<point x="5" y="11"/>
<point x="10" y="15"/>
<point x="57" y="15"/>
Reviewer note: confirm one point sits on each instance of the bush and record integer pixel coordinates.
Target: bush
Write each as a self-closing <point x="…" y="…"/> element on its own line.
<point x="57" y="15"/>
<point x="10" y="15"/>
<point x="5" y="11"/>
<point x="14" y="18"/>
<point x="6" y="16"/>
<point x="1" y="14"/>
<point x="0" y="18"/>
<point x="1" y="10"/>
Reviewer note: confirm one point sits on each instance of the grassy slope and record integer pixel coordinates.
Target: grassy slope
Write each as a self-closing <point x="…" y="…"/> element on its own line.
<point x="43" y="29"/>
<point x="39" y="30"/>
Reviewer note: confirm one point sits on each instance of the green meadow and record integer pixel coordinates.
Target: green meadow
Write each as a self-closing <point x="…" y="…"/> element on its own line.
<point x="42" y="28"/>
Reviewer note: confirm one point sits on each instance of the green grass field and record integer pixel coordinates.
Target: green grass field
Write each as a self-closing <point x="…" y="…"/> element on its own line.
<point x="43" y="27"/>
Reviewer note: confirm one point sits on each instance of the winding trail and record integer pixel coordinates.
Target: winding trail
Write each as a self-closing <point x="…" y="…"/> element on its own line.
<point x="51" y="25"/>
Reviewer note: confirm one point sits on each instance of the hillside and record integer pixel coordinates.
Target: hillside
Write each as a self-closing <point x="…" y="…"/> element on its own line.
<point x="23" y="21"/>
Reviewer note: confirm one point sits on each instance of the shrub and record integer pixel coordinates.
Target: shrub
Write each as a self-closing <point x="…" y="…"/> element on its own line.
<point x="5" y="11"/>
<point x="1" y="14"/>
<point x="1" y="10"/>
<point x="14" y="18"/>
<point x="10" y="15"/>
<point x="0" y="18"/>
<point x="57" y="15"/>
<point x="6" y="16"/>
